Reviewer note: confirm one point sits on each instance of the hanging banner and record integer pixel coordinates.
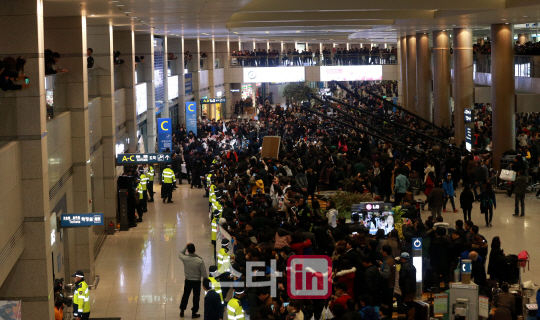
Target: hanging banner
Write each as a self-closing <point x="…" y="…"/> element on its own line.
<point x="191" y="116"/>
<point x="164" y="134"/>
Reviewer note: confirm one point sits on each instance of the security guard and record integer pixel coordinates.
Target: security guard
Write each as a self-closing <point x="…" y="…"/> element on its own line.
<point x="150" y="185"/>
<point x="224" y="264"/>
<point x="168" y="179"/>
<point x="144" y="184"/>
<point x="215" y="223"/>
<point x="140" y="199"/>
<point x="215" y="282"/>
<point x="81" y="297"/>
<point x="234" y="307"/>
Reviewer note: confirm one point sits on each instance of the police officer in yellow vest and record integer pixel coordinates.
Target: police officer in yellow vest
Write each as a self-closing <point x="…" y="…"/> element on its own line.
<point x="214" y="274"/>
<point x="81" y="297"/>
<point x="144" y="184"/>
<point x="168" y="179"/>
<point x="234" y="307"/>
<point x="215" y="223"/>
<point x="151" y="173"/>
<point x="140" y="199"/>
<point x="224" y="264"/>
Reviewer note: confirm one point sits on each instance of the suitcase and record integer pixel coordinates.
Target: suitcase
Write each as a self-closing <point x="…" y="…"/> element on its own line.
<point x="421" y="310"/>
<point x="511" y="269"/>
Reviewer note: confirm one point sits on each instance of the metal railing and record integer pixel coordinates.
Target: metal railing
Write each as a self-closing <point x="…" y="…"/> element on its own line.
<point x="313" y="60"/>
<point x="524" y="66"/>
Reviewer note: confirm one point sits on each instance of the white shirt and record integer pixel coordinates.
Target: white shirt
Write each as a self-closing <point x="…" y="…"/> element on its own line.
<point x="332" y="217"/>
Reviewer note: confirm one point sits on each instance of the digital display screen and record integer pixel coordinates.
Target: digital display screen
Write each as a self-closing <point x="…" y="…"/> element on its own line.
<point x="351" y="73"/>
<point x="375" y="220"/>
<point x="172" y="87"/>
<point x="141" y="99"/>
<point x="289" y="74"/>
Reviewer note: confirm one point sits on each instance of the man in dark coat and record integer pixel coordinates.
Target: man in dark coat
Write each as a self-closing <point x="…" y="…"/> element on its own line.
<point x="213" y="309"/>
<point x="371" y="284"/>
<point x="439" y="251"/>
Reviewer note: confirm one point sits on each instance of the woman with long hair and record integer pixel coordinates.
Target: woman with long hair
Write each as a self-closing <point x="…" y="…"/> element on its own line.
<point x="331" y="213"/>
<point x="488" y="203"/>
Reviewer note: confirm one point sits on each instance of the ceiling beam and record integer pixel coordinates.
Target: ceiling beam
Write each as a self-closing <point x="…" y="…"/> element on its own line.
<point x="309" y="24"/>
<point x="334" y="15"/>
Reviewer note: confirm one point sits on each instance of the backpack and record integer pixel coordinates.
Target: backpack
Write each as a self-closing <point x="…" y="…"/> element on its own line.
<point x="523" y="258"/>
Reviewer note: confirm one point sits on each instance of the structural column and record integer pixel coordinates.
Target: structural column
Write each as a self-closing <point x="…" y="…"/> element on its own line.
<point x="166" y="102"/>
<point x="463" y="80"/>
<point x="176" y="46"/>
<point x="124" y="41"/>
<point x="100" y="39"/>
<point x="24" y="121"/>
<point x="411" y="73"/>
<point x="502" y="90"/>
<point x="442" y="113"/>
<point x="68" y="35"/>
<point x="402" y="90"/>
<point x="144" y="45"/>
<point x="423" y="76"/>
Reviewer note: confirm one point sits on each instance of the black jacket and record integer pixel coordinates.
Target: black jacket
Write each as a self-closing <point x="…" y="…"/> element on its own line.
<point x="372" y="284"/>
<point x="213" y="309"/>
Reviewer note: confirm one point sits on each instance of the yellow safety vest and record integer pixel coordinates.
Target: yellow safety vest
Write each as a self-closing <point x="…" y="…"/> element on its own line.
<point x="209" y="178"/>
<point x="151" y="173"/>
<point x="140" y="191"/>
<point x="216" y="286"/>
<point x="224" y="261"/>
<point x="144" y="181"/>
<point x="217" y="206"/>
<point x="167" y="176"/>
<point x="81" y="299"/>
<point x="212" y="189"/>
<point x="214" y="228"/>
<point x="235" y="310"/>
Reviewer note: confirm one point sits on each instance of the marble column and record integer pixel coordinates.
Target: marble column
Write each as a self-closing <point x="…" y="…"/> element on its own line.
<point x="124" y="41"/>
<point x="411" y="73"/>
<point x="442" y="113"/>
<point x="402" y="60"/>
<point x="166" y="102"/>
<point x="73" y="52"/>
<point x="502" y="90"/>
<point x="100" y="39"/>
<point x="176" y="46"/>
<point x="423" y="76"/>
<point x="463" y="79"/>
<point x="24" y="121"/>
<point x="144" y="45"/>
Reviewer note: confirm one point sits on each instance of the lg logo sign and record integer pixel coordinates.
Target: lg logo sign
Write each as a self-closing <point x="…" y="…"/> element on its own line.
<point x="309" y="277"/>
<point x="370" y="206"/>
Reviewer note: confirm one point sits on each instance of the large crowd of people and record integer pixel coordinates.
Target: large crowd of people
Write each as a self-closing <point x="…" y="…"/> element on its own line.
<point x="270" y="209"/>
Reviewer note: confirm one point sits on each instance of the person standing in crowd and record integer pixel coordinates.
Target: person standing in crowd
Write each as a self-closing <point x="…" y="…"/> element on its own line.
<point x="466" y="200"/>
<point x="388" y="274"/>
<point x="89" y="58"/>
<point x="436" y="200"/>
<point x="235" y="311"/>
<point x="520" y="189"/>
<point x="496" y="260"/>
<point x="401" y="186"/>
<point x="140" y="199"/>
<point x="81" y="297"/>
<point x="505" y="302"/>
<point x="213" y="309"/>
<point x="488" y="203"/>
<point x="194" y="271"/>
<point x="448" y="187"/>
<point x="331" y="213"/>
<point x="168" y="179"/>
<point x="150" y="187"/>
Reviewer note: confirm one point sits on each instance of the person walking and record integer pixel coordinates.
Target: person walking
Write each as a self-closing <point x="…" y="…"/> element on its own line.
<point x="81" y="297"/>
<point x="488" y="203"/>
<point x="401" y="187"/>
<point x="520" y="188"/>
<point x="448" y="187"/>
<point x="435" y="200"/>
<point x="150" y="187"/>
<point x="194" y="271"/>
<point x="213" y="309"/>
<point x="466" y="200"/>
<point x="168" y="179"/>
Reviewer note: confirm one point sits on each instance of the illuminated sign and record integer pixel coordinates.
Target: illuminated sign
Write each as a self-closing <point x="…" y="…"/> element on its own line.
<point x="188" y="83"/>
<point x="141" y="98"/>
<point x="468" y="115"/>
<point x="191" y="116"/>
<point x="468" y="139"/>
<point x="351" y="73"/>
<point x="142" y="158"/>
<point x="81" y="219"/>
<point x="235" y="90"/>
<point x="208" y="101"/>
<point x="164" y="134"/>
<point x="172" y="87"/>
<point x="53" y="237"/>
<point x="277" y="74"/>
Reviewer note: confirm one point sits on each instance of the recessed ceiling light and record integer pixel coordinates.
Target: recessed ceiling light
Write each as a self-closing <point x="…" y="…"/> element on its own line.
<point x="453" y="25"/>
<point x="506" y="23"/>
<point x="133" y="17"/>
<point x="126" y="12"/>
<point x="142" y="21"/>
<point x="444" y="30"/>
<point x="503" y="19"/>
<point x="267" y="32"/>
<point x="120" y="5"/>
<point x="93" y="15"/>
<point x="525" y="16"/>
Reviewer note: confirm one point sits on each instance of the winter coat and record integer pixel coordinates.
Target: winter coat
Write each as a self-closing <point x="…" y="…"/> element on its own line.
<point x="429" y="186"/>
<point x="466" y="199"/>
<point x="402" y="184"/>
<point x="448" y="187"/>
<point x="347" y="276"/>
<point x="436" y="198"/>
<point x="282" y="239"/>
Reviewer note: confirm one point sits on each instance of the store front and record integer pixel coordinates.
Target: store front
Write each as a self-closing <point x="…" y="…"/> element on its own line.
<point x="212" y="108"/>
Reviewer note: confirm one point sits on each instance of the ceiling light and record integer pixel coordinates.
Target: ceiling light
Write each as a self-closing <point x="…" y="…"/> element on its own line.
<point x="120" y="5"/>
<point x="453" y="25"/>
<point x="93" y="15"/>
<point x="126" y="12"/>
<point x="506" y="23"/>
<point x="503" y="19"/>
<point x="235" y="32"/>
<point x="444" y="30"/>
<point x="142" y="21"/>
<point x="133" y="17"/>
<point x="525" y="16"/>
<point x="267" y="32"/>
<point x="114" y="1"/>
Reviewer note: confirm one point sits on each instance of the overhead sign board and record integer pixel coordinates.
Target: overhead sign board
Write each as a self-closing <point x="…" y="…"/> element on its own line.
<point x="276" y="74"/>
<point x="468" y="115"/>
<point x="81" y="219"/>
<point x="191" y="116"/>
<point x="209" y="101"/>
<point x="468" y="139"/>
<point x="142" y="158"/>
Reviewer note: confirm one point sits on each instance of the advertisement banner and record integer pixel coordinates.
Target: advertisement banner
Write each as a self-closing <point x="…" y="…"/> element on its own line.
<point x="351" y="73"/>
<point x="191" y="116"/>
<point x="164" y="134"/>
<point x="188" y="83"/>
<point x="81" y="219"/>
<point x="277" y="74"/>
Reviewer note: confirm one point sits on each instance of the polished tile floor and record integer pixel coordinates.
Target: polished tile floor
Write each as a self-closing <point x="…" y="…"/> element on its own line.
<point x="141" y="276"/>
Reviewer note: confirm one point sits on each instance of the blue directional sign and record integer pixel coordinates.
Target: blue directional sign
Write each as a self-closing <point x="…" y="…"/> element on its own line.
<point x="468" y="115"/>
<point x="142" y="158"/>
<point x="466" y="267"/>
<point x="164" y="134"/>
<point x="417" y="244"/>
<point x="191" y="116"/>
<point x="81" y="219"/>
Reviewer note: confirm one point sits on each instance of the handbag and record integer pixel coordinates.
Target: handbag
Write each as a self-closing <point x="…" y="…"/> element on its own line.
<point x="508" y="175"/>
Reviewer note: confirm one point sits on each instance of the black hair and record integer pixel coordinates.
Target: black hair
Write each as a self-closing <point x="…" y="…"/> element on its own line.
<point x="91" y="50"/>
<point x="206" y="283"/>
<point x="191" y="248"/>
<point x="475" y="229"/>
<point x="440" y="231"/>
<point x="366" y="299"/>
<point x="387" y="248"/>
<point x="341" y="285"/>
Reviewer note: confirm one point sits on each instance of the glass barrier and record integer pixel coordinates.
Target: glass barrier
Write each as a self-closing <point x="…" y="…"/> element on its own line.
<point x="118" y="77"/>
<point x="55" y="94"/>
<point x="524" y="66"/>
<point x="313" y="60"/>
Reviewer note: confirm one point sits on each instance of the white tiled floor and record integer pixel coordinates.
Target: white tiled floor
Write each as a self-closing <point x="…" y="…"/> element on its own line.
<point x="141" y="276"/>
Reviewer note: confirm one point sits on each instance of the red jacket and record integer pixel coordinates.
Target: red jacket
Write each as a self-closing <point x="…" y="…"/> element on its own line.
<point x="347" y="277"/>
<point x="341" y="300"/>
<point x="299" y="247"/>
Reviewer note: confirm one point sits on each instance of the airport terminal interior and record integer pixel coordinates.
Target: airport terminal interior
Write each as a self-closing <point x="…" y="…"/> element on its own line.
<point x="153" y="151"/>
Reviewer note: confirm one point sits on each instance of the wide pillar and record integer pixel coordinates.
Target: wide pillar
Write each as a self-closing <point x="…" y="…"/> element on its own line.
<point x="100" y="39"/>
<point x="402" y="61"/>
<point x="176" y="46"/>
<point x="411" y="73"/>
<point x="144" y="45"/>
<point x="75" y="82"/>
<point x="124" y="41"/>
<point x="166" y="102"/>
<point x="423" y="76"/>
<point x="24" y="121"/>
<point x="502" y="90"/>
<point x="442" y="112"/>
<point x="463" y="80"/>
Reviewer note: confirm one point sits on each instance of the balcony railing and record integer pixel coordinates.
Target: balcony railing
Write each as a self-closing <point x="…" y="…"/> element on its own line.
<point x="313" y="60"/>
<point x="524" y="66"/>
